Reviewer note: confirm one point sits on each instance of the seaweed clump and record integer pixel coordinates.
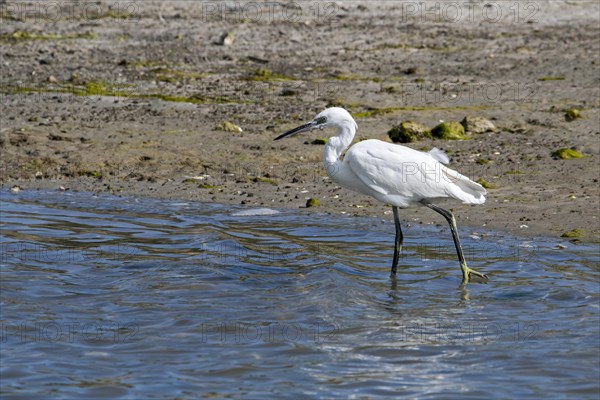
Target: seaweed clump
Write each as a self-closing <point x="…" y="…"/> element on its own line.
<point x="449" y="131"/>
<point x="566" y="154"/>
<point x="572" y="114"/>
<point x="312" y="202"/>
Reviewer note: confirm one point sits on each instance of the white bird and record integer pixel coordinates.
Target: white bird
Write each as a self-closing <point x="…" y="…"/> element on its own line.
<point x="393" y="174"/>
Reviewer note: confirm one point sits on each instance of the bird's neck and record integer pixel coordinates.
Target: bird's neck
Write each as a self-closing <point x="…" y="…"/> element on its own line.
<point x="337" y="144"/>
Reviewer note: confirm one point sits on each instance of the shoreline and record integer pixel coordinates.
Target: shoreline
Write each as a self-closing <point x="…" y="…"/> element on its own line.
<point x="466" y="215"/>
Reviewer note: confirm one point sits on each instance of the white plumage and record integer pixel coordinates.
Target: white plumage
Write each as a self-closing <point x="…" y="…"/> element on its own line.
<point x="402" y="177"/>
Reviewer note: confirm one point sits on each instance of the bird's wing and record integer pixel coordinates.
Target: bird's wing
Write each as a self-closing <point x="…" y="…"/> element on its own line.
<point x="396" y="170"/>
<point x="393" y="169"/>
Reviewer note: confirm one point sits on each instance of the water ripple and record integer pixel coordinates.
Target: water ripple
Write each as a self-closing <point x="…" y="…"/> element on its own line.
<point x="119" y="297"/>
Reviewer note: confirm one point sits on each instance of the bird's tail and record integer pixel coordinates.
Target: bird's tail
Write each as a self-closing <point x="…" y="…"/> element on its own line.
<point x="463" y="188"/>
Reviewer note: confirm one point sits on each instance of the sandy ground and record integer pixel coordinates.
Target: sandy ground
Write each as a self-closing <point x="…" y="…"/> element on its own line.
<point x="128" y="98"/>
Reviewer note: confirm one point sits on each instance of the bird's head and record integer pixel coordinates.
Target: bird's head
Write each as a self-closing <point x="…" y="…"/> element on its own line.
<point x="333" y="116"/>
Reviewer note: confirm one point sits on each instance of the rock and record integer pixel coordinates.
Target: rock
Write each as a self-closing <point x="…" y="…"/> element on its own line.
<point x="575" y="233"/>
<point x="229" y="127"/>
<point x="520" y="128"/>
<point x="226" y="39"/>
<point x="449" y="131"/>
<point x="312" y="202"/>
<point x="52" y="79"/>
<point x="478" y="125"/>
<point x="408" y="131"/>
<point x="289" y="92"/>
<point x="572" y="114"/>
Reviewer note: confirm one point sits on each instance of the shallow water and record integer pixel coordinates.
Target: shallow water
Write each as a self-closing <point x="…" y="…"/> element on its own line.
<point x="109" y="297"/>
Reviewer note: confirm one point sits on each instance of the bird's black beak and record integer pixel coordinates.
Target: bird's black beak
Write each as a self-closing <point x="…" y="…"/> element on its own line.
<point x="302" y="128"/>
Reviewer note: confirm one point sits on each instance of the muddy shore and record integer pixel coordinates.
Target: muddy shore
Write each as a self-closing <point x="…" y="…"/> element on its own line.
<point x="131" y="98"/>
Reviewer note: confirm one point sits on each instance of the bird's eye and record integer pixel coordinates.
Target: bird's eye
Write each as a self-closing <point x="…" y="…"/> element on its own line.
<point x="321" y="120"/>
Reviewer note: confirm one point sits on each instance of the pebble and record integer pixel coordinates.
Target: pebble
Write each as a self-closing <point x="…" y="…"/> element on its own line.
<point x="227" y="39"/>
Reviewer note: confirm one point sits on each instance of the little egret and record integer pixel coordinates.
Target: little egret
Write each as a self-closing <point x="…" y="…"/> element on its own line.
<point x="395" y="175"/>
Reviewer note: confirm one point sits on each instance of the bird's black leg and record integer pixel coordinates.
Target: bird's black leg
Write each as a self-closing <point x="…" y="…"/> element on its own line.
<point x="398" y="242"/>
<point x="466" y="271"/>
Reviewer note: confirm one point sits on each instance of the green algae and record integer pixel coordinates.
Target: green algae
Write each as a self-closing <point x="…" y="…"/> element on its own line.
<point x="572" y="114"/>
<point x="266" y="75"/>
<point x="566" y="154"/>
<point x="452" y="130"/>
<point x="486" y="184"/>
<point x="312" y="202"/>
<point x="26" y="35"/>
<point x="575" y="233"/>
<point x="99" y="88"/>
<point x="262" y="179"/>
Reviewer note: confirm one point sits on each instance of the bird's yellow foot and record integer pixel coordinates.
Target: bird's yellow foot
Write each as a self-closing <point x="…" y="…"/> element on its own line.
<point x="469" y="273"/>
